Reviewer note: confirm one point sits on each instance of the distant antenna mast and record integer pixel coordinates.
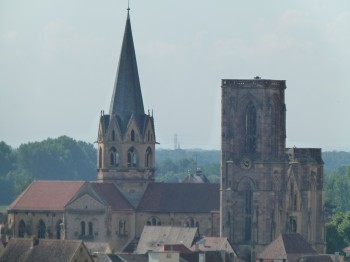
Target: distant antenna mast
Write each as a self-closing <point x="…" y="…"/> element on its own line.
<point x="175" y="141"/>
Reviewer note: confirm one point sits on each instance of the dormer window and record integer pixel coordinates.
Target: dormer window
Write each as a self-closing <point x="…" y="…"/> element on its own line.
<point x="132" y="136"/>
<point x="148" y="158"/>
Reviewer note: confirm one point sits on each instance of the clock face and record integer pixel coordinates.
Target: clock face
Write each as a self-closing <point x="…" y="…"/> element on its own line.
<point x="246" y="163"/>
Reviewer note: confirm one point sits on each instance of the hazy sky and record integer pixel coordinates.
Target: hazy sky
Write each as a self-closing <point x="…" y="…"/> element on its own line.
<point x="58" y="61"/>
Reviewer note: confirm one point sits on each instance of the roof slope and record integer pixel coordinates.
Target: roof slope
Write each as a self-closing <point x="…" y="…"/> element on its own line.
<point x="287" y="246"/>
<point x="153" y="237"/>
<point x="111" y="195"/>
<point x="315" y="258"/>
<point x="127" y="97"/>
<point x="181" y="198"/>
<point x="46" y="195"/>
<point x="214" y="244"/>
<point x="46" y="250"/>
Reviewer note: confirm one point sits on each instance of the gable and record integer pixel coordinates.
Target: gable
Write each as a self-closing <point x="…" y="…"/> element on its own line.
<point x="86" y="202"/>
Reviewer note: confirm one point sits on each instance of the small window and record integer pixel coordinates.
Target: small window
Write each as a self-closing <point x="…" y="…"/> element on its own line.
<point x="113" y="135"/>
<point x="154" y="221"/>
<point x="132" y="135"/>
<point x="82" y="228"/>
<point x="91" y="229"/>
<point x="21" y="229"/>
<point x="41" y="229"/>
<point x="132" y="158"/>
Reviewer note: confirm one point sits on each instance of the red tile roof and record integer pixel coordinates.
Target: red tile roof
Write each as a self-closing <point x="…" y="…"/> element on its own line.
<point x="181" y="198"/>
<point x="113" y="197"/>
<point x="47" y="195"/>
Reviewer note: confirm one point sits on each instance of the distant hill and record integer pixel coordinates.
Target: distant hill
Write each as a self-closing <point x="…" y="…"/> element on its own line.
<point x="335" y="159"/>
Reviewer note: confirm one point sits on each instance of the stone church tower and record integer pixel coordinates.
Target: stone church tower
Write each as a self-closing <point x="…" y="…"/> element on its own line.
<point x="266" y="189"/>
<point x="126" y="136"/>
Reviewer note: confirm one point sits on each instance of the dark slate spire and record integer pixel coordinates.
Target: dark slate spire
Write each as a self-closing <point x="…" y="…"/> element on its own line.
<point x="127" y="97"/>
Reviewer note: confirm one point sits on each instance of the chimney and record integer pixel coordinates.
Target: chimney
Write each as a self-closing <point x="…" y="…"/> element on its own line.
<point x="196" y="247"/>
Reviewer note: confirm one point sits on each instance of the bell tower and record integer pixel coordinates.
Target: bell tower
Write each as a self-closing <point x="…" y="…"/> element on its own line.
<point x="266" y="189"/>
<point x="252" y="152"/>
<point x="126" y="136"/>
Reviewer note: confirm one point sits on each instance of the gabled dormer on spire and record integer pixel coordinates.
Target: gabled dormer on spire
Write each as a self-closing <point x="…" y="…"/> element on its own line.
<point x="127" y="96"/>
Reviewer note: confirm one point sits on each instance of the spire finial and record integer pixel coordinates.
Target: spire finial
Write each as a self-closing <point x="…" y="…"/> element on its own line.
<point x="128" y="7"/>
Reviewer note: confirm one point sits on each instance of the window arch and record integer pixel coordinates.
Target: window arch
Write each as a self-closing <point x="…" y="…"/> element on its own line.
<point x="132" y="157"/>
<point x="132" y="135"/>
<point x="91" y="229"/>
<point x="113" y="135"/>
<point x="114" y="157"/>
<point x="250" y="128"/>
<point x="21" y="228"/>
<point x="148" y="136"/>
<point x="41" y="229"/>
<point x="82" y="228"/>
<point x="100" y="158"/>
<point x="154" y="221"/>
<point x="191" y="222"/>
<point x="122" y="227"/>
<point x="293" y="225"/>
<point x="148" y="158"/>
<point x="248" y="195"/>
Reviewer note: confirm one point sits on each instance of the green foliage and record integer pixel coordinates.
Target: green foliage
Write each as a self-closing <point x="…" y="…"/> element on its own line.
<point x="335" y="159"/>
<point x="6" y="159"/>
<point x="338" y="232"/>
<point x="173" y="166"/>
<point x="337" y="187"/>
<point x="62" y="158"/>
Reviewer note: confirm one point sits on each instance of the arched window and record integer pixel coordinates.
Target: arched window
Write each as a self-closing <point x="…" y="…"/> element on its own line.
<point x="154" y="221"/>
<point x="250" y="128"/>
<point x="21" y="228"/>
<point x="148" y="158"/>
<point x="122" y="229"/>
<point x="82" y="228"/>
<point x="248" y="214"/>
<point x="58" y="229"/>
<point x="91" y="229"/>
<point x="114" y="157"/>
<point x="229" y="225"/>
<point x="113" y="135"/>
<point x="132" y="157"/>
<point x="100" y="158"/>
<point x="148" y="136"/>
<point x="132" y="135"/>
<point x="293" y="225"/>
<point x="41" y="229"/>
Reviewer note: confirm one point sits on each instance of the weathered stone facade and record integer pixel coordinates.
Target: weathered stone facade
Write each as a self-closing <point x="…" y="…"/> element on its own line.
<point x="266" y="189"/>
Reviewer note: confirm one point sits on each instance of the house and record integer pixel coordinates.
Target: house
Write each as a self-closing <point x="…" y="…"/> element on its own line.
<point x="287" y="247"/>
<point x="39" y="210"/>
<point x="153" y="238"/>
<point x="121" y="258"/>
<point x="207" y="244"/>
<point x="32" y="250"/>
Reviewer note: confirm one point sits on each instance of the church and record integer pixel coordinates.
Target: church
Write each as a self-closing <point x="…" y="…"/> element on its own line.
<point x="266" y="189"/>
